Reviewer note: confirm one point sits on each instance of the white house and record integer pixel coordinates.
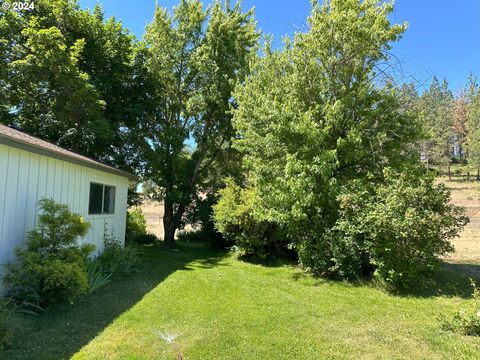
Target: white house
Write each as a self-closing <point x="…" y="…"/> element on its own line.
<point x="31" y="169"/>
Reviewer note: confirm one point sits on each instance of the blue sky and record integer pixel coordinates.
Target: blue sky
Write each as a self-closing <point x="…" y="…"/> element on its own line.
<point x="443" y="38"/>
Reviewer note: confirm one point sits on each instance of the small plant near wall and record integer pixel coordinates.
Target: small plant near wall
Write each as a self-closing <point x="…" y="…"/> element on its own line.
<point x="116" y="259"/>
<point x="97" y="275"/>
<point x="51" y="266"/>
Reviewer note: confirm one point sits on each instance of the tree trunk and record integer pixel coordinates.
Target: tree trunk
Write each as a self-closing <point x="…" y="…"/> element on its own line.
<point x="478" y="174"/>
<point x="449" y="174"/>
<point x="169" y="226"/>
<point x="169" y="233"/>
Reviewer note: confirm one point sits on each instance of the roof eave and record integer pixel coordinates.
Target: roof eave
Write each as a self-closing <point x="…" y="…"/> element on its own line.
<point x="65" y="157"/>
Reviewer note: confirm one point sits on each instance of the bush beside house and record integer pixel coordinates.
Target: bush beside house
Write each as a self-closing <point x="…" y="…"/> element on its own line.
<point x="52" y="264"/>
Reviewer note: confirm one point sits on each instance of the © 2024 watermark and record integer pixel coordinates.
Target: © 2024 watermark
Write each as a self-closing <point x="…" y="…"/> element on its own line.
<point x="17" y="5"/>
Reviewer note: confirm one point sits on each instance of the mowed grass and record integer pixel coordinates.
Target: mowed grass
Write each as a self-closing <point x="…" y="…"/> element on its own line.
<point x="218" y="307"/>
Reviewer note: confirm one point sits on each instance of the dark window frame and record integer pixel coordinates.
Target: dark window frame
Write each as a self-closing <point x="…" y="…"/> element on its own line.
<point x="102" y="208"/>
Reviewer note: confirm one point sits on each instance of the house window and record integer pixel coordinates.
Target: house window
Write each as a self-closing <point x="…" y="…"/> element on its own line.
<point x="102" y="199"/>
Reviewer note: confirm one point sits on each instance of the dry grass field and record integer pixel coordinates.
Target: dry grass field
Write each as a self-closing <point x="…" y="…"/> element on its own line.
<point x="153" y="211"/>
<point x="467" y="246"/>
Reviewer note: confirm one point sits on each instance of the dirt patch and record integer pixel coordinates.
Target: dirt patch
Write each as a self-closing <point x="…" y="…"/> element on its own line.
<point x="467" y="245"/>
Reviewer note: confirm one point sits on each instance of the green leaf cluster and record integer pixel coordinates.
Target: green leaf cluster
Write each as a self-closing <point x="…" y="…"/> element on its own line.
<point x="51" y="264"/>
<point x="399" y="230"/>
<point x="67" y="76"/>
<point x="237" y="216"/>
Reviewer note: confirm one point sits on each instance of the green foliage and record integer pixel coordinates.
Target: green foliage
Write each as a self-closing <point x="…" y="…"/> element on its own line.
<point x="399" y="230"/>
<point x="437" y="119"/>
<point x="200" y="216"/>
<point x="70" y="77"/>
<point x="473" y="123"/>
<point x="310" y="118"/>
<point x="212" y="239"/>
<point x="191" y="236"/>
<point x="97" y="275"/>
<point x="136" y="231"/>
<point x="147" y="239"/>
<point x="116" y="259"/>
<point x="395" y="231"/>
<point x="136" y="225"/>
<point x="465" y="321"/>
<point x="194" y="59"/>
<point x="238" y="216"/>
<point x="51" y="264"/>
<point x="9" y="326"/>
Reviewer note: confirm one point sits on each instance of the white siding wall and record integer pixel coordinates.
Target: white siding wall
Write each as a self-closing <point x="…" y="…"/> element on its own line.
<point x="26" y="177"/>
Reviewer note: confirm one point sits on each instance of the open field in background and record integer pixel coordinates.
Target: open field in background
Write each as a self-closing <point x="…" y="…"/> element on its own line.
<point x="467" y="246"/>
<point x="153" y="211"/>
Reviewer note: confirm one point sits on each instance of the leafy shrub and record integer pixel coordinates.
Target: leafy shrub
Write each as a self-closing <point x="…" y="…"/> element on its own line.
<point x="30" y="302"/>
<point x="465" y="322"/>
<point x="237" y="217"/>
<point x="51" y="264"/>
<point x="200" y="216"/>
<point x="136" y="226"/>
<point x="191" y="236"/>
<point x="147" y="239"/>
<point x="399" y="230"/>
<point x="212" y="239"/>
<point x="116" y="259"/>
<point x="340" y="256"/>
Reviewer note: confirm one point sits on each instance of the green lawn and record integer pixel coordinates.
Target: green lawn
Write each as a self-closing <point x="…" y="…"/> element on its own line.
<point x="221" y="308"/>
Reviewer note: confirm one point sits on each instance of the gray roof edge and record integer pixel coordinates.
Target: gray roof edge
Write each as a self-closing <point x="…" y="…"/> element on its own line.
<point x="93" y="164"/>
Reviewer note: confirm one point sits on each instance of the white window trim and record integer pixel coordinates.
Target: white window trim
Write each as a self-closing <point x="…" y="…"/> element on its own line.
<point x="103" y="198"/>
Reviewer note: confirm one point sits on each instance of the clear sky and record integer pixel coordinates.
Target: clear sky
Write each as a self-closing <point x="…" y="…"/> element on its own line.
<point x="443" y="38"/>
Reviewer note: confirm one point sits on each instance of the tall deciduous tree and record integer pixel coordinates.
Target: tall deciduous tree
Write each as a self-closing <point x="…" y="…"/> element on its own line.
<point x="195" y="58"/>
<point x="311" y="118"/>
<point x="66" y="76"/>
<point x="321" y="134"/>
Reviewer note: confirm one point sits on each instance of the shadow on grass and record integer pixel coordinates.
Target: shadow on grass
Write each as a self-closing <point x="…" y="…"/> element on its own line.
<point x="289" y="259"/>
<point x="451" y="280"/>
<point x="63" y="329"/>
